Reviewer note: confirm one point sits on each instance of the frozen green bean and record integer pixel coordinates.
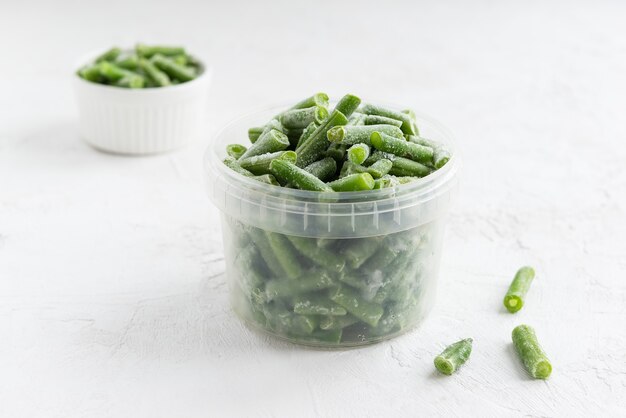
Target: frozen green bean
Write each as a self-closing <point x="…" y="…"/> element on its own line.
<point x="408" y="168"/>
<point x="235" y="150"/>
<point x="260" y="164"/>
<point x="514" y="298"/>
<point x="314" y="147"/>
<point x="407" y="124"/>
<point x="337" y="151"/>
<point x="351" y="135"/>
<point x="401" y="147"/>
<point x="368" y="312"/>
<point x="282" y="288"/>
<point x="157" y="76"/>
<point x="301" y="118"/>
<point x="109" y="55"/>
<point x="233" y="164"/>
<point x="380" y="168"/>
<point x="309" y="249"/>
<point x="380" y="120"/>
<point x="323" y="169"/>
<point x="270" y="141"/>
<point x="91" y="73"/>
<point x="353" y="182"/>
<point x="337" y="322"/>
<point x="454" y="356"/>
<point x="530" y="352"/>
<point x="285" y="254"/>
<point x="348" y="104"/>
<point x="317" y="306"/>
<point x="358" y="153"/>
<point x="318" y="99"/>
<point x="151" y="50"/>
<point x="288" y="172"/>
<point x="172" y="69"/>
<point x="267" y="179"/>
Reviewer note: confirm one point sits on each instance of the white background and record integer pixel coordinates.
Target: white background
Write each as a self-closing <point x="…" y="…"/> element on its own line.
<point x="112" y="295"/>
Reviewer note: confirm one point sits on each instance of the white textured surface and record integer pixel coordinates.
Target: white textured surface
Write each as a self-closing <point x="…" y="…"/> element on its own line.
<point x="112" y="298"/>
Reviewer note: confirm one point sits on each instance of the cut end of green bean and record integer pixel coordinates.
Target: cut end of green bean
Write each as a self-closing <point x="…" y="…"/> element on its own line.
<point x="236" y="150"/>
<point x="444" y="365"/>
<point x="454" y="356"/>
<point x="514" y="298"/>
<point x="358" y="153"/>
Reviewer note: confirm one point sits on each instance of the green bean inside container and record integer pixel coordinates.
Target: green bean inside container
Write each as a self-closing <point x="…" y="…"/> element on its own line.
<point x="310" y="284"/>
<point x="344" y="292"/>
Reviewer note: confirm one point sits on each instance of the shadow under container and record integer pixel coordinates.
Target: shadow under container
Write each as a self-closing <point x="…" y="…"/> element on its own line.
<point x="330" y="269"/>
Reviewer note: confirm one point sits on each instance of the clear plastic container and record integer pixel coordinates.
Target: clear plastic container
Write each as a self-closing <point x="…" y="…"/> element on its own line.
<point x="330" y="269"/>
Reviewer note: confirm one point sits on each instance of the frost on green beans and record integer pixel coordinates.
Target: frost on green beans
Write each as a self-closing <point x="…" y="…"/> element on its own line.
<point x="360" y="138"/>
<point x="330" y="291"/>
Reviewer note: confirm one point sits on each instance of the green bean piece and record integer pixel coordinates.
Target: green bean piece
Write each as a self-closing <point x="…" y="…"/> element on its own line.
<point x="356" y="119"/>
<point x="181" y="59"/>
<point x="411" y="114"/>
<point x="323" y="169"/>
<point x="318" y="99"/>
<point x="285" y="254"/>
<point x="454" y="356"/>
<point x="337" y="322"/>
<point x="307" y="132"/>
<point x="382" y="183"/>
<point x="254" y="133"/>
<point x="353" y="183"/>
<point x="260" y="164"/>
<point x="131" y="82"/>
<point x="351" y="135"/>
<point x="279" y="319"/>
<point x="407" y="124"/>
<point x="269" y="142"/>
<point x="441" y="157"/>
<point x="109" y="55"/>
<point x="380" y="168"/>
<point x="304" y="324"/>
<point x="358" y="153"/>
<point x="251" y="280"/>
<point x="261" y="241"/>
<point x="129" y="61"/>
<point x="115" y="73"/>
<point x="368" y="312"/>
<point x="233" y="164"/>
<point x="287" y="172"/>
<point x="535" y="360"/>
<point x="401" y="147"/>
<point x="408" y="168"/>
<point x="322" y="336"/>
<point x="314" y="147"/>
<point x="267" y="179"/>
<point x="235" y="150"/>
<point x="157" y="76"/>
<point x="349" y="168"/>
<point x="322" y="257"/>
<point x="337" y="151"/>
<point x="150" y="50"/>
<point x="317" y="306"/>
<point x="282" y="288"/>
<point x="91" y="73"/>
<point x="301" y="118"/>
<point x="380" y="120"/>
<point x="348" y="104"/>
<point x="357" y="251"/>
<point x="172" y="69"/>
<point x="514" y="298"/>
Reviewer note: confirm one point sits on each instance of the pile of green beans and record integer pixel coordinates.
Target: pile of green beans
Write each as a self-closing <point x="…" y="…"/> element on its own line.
<point x="330" y="291"/>
<point x="142" y="67"/>
<point x="325" y="291"/>
<point x="353" y="147"/>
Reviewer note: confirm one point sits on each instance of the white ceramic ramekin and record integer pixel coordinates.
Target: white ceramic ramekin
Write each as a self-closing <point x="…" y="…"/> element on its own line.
<point x="141" y="121"/>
